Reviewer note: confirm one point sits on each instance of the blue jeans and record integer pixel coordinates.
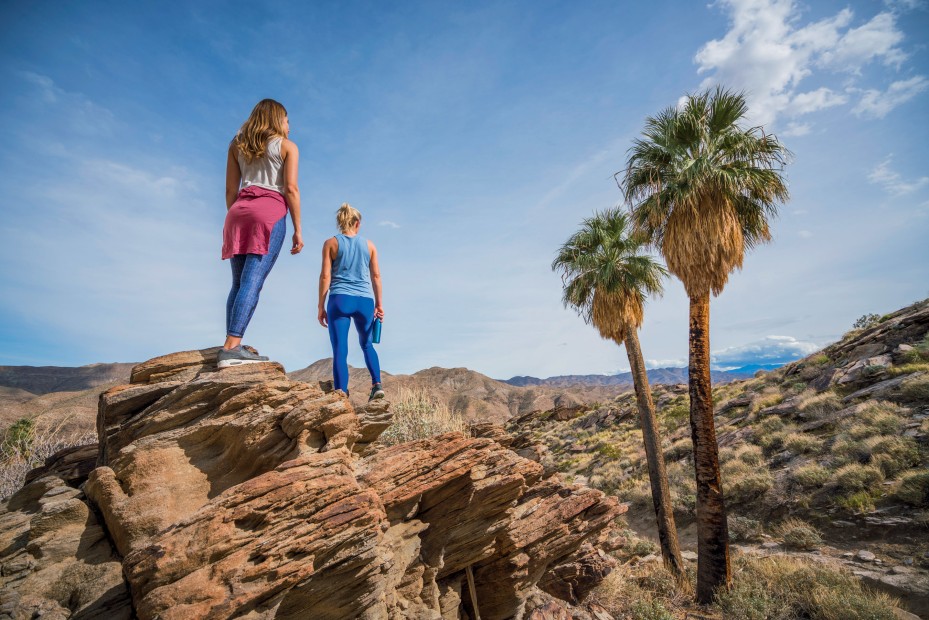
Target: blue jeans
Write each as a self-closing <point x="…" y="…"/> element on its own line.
<point x="248" y="276"/>
<point x="341" y="310"/>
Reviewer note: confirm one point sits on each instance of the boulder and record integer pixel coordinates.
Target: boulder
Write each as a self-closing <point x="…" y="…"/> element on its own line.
<point x="242" y="493"/>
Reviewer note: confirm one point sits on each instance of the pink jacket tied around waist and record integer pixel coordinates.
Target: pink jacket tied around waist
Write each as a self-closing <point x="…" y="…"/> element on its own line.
<point x="250" y="219"/>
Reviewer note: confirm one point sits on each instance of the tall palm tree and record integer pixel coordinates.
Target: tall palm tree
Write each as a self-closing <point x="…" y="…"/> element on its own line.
<point x="606" y="278"/>
<point x="702" y="188"/>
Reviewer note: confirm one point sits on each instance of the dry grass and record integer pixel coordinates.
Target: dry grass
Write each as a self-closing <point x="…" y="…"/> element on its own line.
<point x="858" y="477"/>
<point x="802" y="443"/>
<point x="743" y="482"/>
<point x="810" y="476"/>
<point x="915" y="389"/>
<point x="26" y="445"/>
<point x="818" y="405"/>
<point x="418" y="415"/>
<point x="798" y="534"/>
<point x="914" y="488"/>
<point x="783" y="588"/>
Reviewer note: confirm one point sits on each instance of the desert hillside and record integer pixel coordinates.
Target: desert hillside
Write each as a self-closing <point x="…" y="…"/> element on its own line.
<point x="827" y="456"/>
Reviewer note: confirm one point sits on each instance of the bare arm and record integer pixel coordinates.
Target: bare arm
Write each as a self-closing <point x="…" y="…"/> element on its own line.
<point x="291" y="156"/>
<point x="233" y="176"/>
<point x="330" y="250"/>
<point x="376" y="282"/>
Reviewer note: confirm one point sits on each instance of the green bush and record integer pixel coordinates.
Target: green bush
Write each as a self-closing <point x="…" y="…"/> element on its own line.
<point x="810" y="476"/>
<point x="866" y="320"/>
<point x="18" y="439"/>
<point x="860" y="502"/>
<point x="858" y="477"/>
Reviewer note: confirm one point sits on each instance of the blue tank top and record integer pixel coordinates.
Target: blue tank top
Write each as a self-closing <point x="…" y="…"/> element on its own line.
<point x="351" y="273"/>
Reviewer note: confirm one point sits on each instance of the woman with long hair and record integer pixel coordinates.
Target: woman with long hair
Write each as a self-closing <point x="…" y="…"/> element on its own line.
<point x="352" y="278"/>
<point x="261" y="187"/>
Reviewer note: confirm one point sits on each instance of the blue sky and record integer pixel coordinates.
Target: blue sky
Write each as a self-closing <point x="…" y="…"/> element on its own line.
<point x="473" y="137"/>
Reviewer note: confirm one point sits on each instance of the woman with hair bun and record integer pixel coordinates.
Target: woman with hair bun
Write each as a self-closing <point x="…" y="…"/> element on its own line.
<point x="261" y="187"/>
<point x="352" y="278"/>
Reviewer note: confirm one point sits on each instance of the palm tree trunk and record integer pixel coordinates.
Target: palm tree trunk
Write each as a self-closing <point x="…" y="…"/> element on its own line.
<point x="661" y="495"/>
<point x="713" y="568"/>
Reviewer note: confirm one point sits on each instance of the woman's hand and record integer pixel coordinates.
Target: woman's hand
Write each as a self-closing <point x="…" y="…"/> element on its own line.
<point x="298" y="243"/>
<point x="379" y="312"/>
<point x="322" y="318"/>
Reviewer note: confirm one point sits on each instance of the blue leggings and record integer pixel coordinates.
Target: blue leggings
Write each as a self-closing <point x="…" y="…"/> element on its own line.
<point x="341" y="311"/>
<point x="248" y="276"/>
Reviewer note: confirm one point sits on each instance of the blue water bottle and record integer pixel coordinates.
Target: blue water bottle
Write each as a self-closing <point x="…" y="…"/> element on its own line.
<point x="376" y="332"/>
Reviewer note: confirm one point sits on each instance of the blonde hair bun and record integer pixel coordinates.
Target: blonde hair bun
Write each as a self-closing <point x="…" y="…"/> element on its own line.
<point x="346" y="217"/>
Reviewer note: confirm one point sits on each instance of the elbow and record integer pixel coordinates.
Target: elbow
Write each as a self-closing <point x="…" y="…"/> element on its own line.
<point x="291" y="189"/>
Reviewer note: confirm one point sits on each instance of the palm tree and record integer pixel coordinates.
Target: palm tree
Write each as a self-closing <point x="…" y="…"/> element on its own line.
<point x="702" y="189"/>
<point x="606" y="278"/>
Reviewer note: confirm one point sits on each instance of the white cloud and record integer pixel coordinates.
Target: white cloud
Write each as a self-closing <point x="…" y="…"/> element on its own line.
<point x="877" y="104"/>
<point x="805" y="234"/>
<point x="669" y="363"/>
<point x="769" y="54"/>
<point x="389" y="224"/>
<point x="892" y="181"/>
<point x="769" y="350"/>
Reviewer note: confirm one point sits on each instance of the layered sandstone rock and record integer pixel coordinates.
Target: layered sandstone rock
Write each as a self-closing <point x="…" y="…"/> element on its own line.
<point x="243" y="494"/>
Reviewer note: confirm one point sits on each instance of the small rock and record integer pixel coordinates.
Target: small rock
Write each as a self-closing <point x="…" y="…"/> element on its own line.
<point x="865" y="556"/>
<point x="841" y="523"/>
<point x="848" y="554"/>
<point x="689" y="555"/>
<point x="651" y="557"/>
<point x="902" y="614"/>
<point x="900" y="570"/>
<point x="770" y="545"/>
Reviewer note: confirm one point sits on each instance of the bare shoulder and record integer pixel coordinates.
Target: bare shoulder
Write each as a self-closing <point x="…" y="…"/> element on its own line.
<point x="371" y="247"/>
<point x="287" y="146"/>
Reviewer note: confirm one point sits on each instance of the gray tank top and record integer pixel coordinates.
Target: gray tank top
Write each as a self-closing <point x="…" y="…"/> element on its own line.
<point x="267" y="171"/>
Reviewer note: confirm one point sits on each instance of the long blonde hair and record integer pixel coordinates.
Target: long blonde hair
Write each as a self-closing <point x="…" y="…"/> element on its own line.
<point x="264" y="123"/>
<point x="346" y="217"/>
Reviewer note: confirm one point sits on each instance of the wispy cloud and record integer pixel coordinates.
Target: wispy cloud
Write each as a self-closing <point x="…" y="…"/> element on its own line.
<point x="388" y="224"/>
<point x="892" y="181"/>
<point x="771" y="55"/>
<point x="877" y="104"/>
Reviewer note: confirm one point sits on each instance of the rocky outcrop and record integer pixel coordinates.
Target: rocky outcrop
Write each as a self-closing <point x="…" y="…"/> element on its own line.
<point x="244" y="494"/>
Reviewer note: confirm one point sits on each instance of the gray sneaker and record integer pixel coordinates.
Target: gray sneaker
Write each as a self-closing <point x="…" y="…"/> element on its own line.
<point x="377" y="392"/>
<point x="238" y="356"/>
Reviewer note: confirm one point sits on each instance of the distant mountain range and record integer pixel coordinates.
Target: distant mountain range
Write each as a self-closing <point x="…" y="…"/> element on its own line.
<point x="656" y="376"/>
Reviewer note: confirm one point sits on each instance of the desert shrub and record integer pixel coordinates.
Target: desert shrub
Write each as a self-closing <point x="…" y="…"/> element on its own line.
<point x="818" y="405"/>
<point x="742" y="482"/>
<point x="18" y="439"/>
<point x="609" y="450"/>
<point x="894" y="454"/>
<point x="418" y="415"/>
<point x="767" y="398"/>
<point x="810" y="476"/>
<point x="797" y="534"/>
<point x="27" y="444"/>
<point x="772" y="443"/>
<point x="883" y="417"/>
<point x="682" y="448"/>
<point x="850" y="451"/>
<point x="801" y="443"/>
<point x="743" y="529"/>
<point x="785" y="588"/>
<point x="859" y="502"/>
<point x="747" y="453"/>
<point x="770" y="424"/>
<point x="866" y="320"/>
<point x="820" y="359"/>
<point x="915" y="389"/>
<point x="914" y="488"/>
<point x="643" y="592"/>
<point x="858" y="477"/>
